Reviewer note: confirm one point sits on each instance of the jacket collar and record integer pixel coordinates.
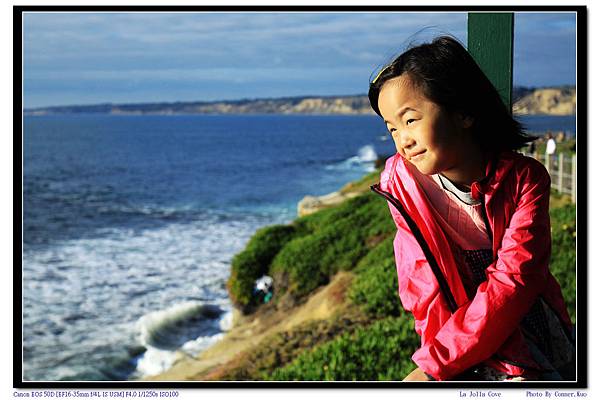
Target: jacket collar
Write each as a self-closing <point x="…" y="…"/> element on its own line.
<point x="497" y="168"/>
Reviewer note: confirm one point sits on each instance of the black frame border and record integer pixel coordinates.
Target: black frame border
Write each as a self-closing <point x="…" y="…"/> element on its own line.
<point x="582" y="208"/>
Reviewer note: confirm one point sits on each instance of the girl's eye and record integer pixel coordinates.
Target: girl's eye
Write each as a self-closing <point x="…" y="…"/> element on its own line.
<point x="410" y="121"/>
<point x="392" y="131"/>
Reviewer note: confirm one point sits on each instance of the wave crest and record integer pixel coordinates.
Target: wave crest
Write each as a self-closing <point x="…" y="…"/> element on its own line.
<point x="171" y="328"/>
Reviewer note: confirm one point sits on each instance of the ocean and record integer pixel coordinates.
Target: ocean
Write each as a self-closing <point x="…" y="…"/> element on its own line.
<point x="130" y="224"/>
<point x="538" y="125"/>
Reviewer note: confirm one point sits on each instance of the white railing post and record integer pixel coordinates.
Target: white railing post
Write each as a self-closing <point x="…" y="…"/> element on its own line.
<point x="561" y="160"/>
<point x="547" y="161"/>
<point x="574" y="178"/>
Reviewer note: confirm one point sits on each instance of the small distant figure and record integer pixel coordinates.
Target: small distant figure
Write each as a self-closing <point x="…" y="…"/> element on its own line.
<point x="550" y="144"/>
<point x="264" y="288"/>
<point x="560" y="137"/>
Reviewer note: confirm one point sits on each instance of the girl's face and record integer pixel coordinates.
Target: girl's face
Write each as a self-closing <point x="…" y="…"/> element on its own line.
<point x="432" y="139"/>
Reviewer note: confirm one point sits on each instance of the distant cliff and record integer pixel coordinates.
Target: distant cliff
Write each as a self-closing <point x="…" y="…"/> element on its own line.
<point x="286" y="105"/>
<point x="551" y="101"/>
<point x="556" y="101"/>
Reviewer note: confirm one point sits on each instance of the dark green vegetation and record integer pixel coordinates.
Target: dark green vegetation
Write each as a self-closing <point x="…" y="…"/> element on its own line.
<point x="375" y="288"/>
<point x="378" y="352"/>
<point x="253" y="262"/>
<point x="562" y="265"/>
<point x="305" y="254"/>
<point x="282" y="348"/>
<point x="377" y="341"/>
<point x="332" y="240"/>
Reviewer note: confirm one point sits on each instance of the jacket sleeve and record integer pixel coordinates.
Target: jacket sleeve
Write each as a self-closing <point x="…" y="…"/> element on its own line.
<point x="479" y="327"/>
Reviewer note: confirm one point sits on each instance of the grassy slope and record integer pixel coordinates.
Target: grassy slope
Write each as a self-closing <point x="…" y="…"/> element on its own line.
<point x="374" y="339"/>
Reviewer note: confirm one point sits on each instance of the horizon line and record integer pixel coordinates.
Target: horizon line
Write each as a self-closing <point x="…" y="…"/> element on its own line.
<point x="245" y="99"/>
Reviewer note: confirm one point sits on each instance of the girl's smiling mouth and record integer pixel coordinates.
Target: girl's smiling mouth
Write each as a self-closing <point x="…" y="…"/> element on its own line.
<point x="416" y="155"/>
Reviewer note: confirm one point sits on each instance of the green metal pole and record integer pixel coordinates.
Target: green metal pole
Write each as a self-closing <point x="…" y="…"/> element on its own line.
<point x="490" y="41"/>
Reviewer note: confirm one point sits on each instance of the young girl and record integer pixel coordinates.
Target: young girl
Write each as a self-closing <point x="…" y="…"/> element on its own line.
<point x="473" y="243"/>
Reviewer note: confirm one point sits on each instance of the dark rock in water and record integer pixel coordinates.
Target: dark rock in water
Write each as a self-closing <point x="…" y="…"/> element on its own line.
<point x="211" y="311"/>
<point x="57" y="330"/>
<point x="136" y="351"/>
<point x="171" y="329"/>
<point x="73" y="317"/>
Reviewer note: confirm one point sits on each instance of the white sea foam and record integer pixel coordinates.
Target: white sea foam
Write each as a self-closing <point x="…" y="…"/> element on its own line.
<point x="175" y="327"/>
<point x="226" y="322"/>
<point x="101" y="286"/>
<point x="154" y="361"/>
<point x="367" y="154"/>
<point x="363" y="161"/>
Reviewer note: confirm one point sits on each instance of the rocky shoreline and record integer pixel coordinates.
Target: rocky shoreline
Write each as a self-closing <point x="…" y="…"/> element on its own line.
<point x="311" y="204"/>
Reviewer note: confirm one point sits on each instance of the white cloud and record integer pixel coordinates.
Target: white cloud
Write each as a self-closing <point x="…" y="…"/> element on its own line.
<point x="162" y="49"/>
<point x="216" y="35"/>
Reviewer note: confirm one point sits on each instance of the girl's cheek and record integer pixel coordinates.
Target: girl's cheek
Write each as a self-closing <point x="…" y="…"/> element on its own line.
<point x="397" y="144"/>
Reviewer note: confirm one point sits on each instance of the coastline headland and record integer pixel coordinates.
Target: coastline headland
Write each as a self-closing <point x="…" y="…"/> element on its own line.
<point x="527" y="101"/>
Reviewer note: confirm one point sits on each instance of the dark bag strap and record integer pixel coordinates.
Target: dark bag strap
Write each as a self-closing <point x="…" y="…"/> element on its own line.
<point x="437" y="271"/>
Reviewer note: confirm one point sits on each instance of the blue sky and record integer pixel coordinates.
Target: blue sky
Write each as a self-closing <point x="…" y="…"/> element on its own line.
<point x="88" y="58"/>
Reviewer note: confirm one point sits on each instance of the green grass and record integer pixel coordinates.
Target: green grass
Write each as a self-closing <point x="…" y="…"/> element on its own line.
<point x="311" y="250"/>
<point x="563" y="259"/>
<point x="339" y="239"/>
<point x="380" y="351"/>
<point x="375" y="287"/>
<point x="363" y="184"/>
<point x="282" y="348"/>
<point x="253" y="262"/>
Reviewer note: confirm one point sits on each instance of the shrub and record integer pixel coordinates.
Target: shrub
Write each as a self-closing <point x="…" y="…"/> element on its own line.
<point x="375" y="287"/>
<point x="339" y="238"/>
<point x="301" y="259"/>
<point x="380" y="351"/>
<point x="310" y="250"/>
<point x="254" y="261"/>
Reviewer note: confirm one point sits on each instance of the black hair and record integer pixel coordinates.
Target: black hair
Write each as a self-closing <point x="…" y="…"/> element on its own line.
<point x="446" y="74"/>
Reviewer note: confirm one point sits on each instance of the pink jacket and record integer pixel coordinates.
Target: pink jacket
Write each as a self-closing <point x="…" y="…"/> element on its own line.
<point x="484" y="328"/>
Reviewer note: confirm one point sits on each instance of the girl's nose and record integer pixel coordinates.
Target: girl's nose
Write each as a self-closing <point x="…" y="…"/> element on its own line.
<point x="406" y="141"/>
